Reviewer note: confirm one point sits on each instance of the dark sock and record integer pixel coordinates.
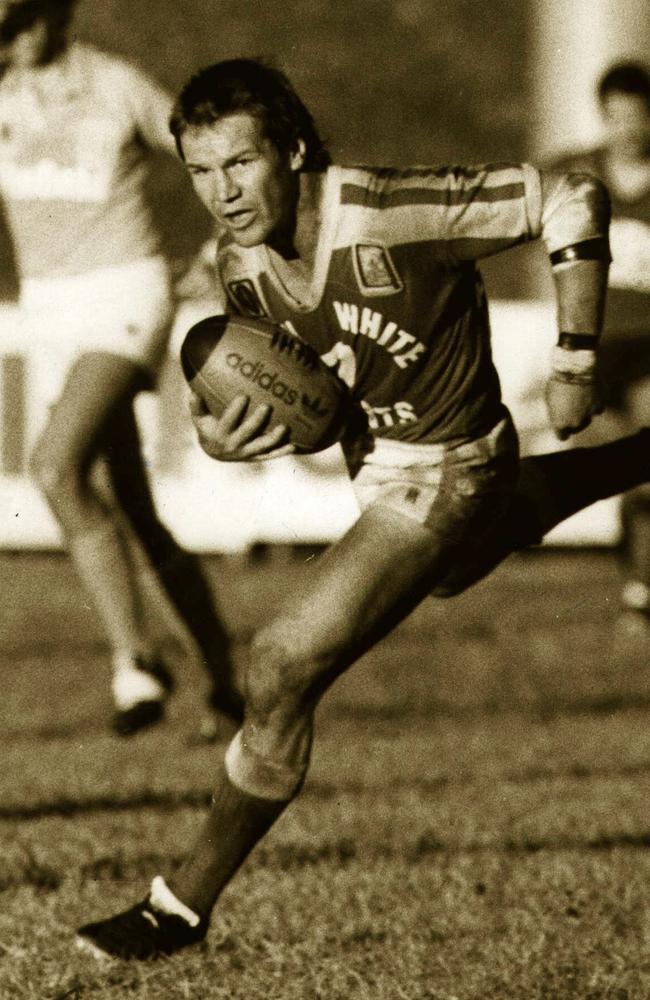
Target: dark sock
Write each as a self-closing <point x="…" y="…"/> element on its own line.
<point x="235" y="823"/>
<point x="553" y="487"/>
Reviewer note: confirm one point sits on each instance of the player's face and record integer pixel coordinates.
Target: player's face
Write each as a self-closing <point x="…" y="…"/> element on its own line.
<point x="242" y="178"/>
<point x="627" y="117"/>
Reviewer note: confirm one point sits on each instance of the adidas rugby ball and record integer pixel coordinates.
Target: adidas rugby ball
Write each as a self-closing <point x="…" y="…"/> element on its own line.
<point x="228" y="356"/>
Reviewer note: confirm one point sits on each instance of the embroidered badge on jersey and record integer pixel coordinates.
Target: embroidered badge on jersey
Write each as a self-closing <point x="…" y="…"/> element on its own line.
<point x="246" y="298"/>
<point x="375" y="271"/>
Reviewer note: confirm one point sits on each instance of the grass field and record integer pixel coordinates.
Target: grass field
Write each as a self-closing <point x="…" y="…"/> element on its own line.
<point x="476" y="824"/>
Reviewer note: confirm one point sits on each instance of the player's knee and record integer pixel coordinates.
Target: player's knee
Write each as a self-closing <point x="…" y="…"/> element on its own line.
<point x="273" y="680"/>
<point x="56" y="479"/>
<point x="267" y="767"/>
<point x="287" y="663"/>
<point x="288" y="668"/>
<point x="59" y="478"/>
<point x="43" y="471"/>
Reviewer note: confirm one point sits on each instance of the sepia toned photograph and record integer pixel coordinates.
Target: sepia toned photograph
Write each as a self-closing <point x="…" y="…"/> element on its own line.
<point x="325" y="499"/>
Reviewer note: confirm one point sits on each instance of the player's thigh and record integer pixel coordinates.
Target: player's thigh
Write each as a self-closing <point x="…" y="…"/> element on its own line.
<point x="350" y="596"/>
<point x="97" y="385"/>
<point x="401" y="549"/>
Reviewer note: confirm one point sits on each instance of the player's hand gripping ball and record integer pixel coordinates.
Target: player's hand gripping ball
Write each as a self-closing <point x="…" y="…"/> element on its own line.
<point x="228" y="356"/>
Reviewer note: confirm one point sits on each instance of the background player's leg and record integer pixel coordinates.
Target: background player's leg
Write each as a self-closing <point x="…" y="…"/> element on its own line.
<point x="63" y="462"/>
<point x="169" y="568"/>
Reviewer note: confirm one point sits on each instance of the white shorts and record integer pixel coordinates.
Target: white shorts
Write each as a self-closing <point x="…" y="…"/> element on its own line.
<point x="125" y="310"/>
<point x="412" y="477"/>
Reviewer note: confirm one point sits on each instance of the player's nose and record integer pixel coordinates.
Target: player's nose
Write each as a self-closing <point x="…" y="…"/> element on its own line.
<point x="225" y="189"/>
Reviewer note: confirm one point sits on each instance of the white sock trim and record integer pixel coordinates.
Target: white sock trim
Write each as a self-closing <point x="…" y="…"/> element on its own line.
<point x="163" y="899"/>
<point x="131" y="685"/>
<point x="254" y="775"/>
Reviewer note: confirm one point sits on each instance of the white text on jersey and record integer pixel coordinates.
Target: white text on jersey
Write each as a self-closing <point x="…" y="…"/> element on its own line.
<point x="403" y="346"/>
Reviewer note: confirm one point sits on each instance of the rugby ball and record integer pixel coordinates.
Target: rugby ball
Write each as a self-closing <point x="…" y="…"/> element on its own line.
<point x="227" y="356"/>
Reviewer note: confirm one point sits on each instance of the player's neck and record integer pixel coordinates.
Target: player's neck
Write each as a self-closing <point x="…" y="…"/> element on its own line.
<point x="299" y="249"/>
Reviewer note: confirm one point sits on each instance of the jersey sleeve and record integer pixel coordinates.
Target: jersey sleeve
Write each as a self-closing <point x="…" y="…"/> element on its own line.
<point x="481" y="211"/>
<point x="467" y="213"/>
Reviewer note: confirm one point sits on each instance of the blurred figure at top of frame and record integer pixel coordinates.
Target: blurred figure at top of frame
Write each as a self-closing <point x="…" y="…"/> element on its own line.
<point x="622" y="161"/>
<point x="76" y="129"/>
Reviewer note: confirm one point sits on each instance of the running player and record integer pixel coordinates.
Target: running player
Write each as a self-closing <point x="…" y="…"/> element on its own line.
<point x="622" y="161"/>
<point x="377" y="269"/>
<point x="75" y="127"/>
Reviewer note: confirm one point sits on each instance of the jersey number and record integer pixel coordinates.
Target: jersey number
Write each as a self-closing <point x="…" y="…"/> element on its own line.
<point x="342" y="357"/>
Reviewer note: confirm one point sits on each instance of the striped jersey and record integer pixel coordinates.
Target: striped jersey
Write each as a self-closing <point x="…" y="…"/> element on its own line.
<point x="396" y="299"/>
<point x="73" y="145"/>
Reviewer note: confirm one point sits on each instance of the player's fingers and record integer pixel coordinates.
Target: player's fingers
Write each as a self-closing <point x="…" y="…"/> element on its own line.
<point x="286" y="449"/>
<point x="250" y="427"/>
<point x="229" y="419"/>
<point x="198" y="406"/>
<point x="219" y="436"/>
<point x="213" y="436"/>
<point x="233" y="416"/>
<point x="206" y="426"/>
<point x="263" y="444"/>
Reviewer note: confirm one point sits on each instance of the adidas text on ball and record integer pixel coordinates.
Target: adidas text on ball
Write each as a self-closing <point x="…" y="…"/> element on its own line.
<point x="228" y="356"/>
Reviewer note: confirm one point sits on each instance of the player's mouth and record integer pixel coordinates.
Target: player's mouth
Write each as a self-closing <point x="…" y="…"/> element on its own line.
<point x="240" y="219"/>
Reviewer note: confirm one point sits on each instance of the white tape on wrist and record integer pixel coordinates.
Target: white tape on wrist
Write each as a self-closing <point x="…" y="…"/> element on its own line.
<point x="573" y="362"/>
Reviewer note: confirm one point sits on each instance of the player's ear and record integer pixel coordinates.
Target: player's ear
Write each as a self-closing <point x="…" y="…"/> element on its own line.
<point x="298" y="155"/>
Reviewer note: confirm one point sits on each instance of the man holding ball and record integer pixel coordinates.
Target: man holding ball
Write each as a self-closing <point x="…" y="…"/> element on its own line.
<point x="376" y="269"/>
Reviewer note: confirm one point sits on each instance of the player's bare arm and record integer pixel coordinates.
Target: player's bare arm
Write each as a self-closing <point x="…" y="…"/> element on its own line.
<point x="574" y="224"/>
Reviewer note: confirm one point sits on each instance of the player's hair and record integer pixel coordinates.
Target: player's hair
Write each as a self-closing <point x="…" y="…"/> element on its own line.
<point x="625" y="78"/>
<point x="253" y="86"/>
<point x="22" y="14"/>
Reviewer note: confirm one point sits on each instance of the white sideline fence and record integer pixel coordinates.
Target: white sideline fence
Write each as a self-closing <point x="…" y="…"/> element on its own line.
<point x="221" y="507"/>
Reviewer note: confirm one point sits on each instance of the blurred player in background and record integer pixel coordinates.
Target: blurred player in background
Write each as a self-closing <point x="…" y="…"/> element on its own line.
<point x="622" y="161"/>
<point x="376" y="268"/>
<point x="75" y="128"/>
